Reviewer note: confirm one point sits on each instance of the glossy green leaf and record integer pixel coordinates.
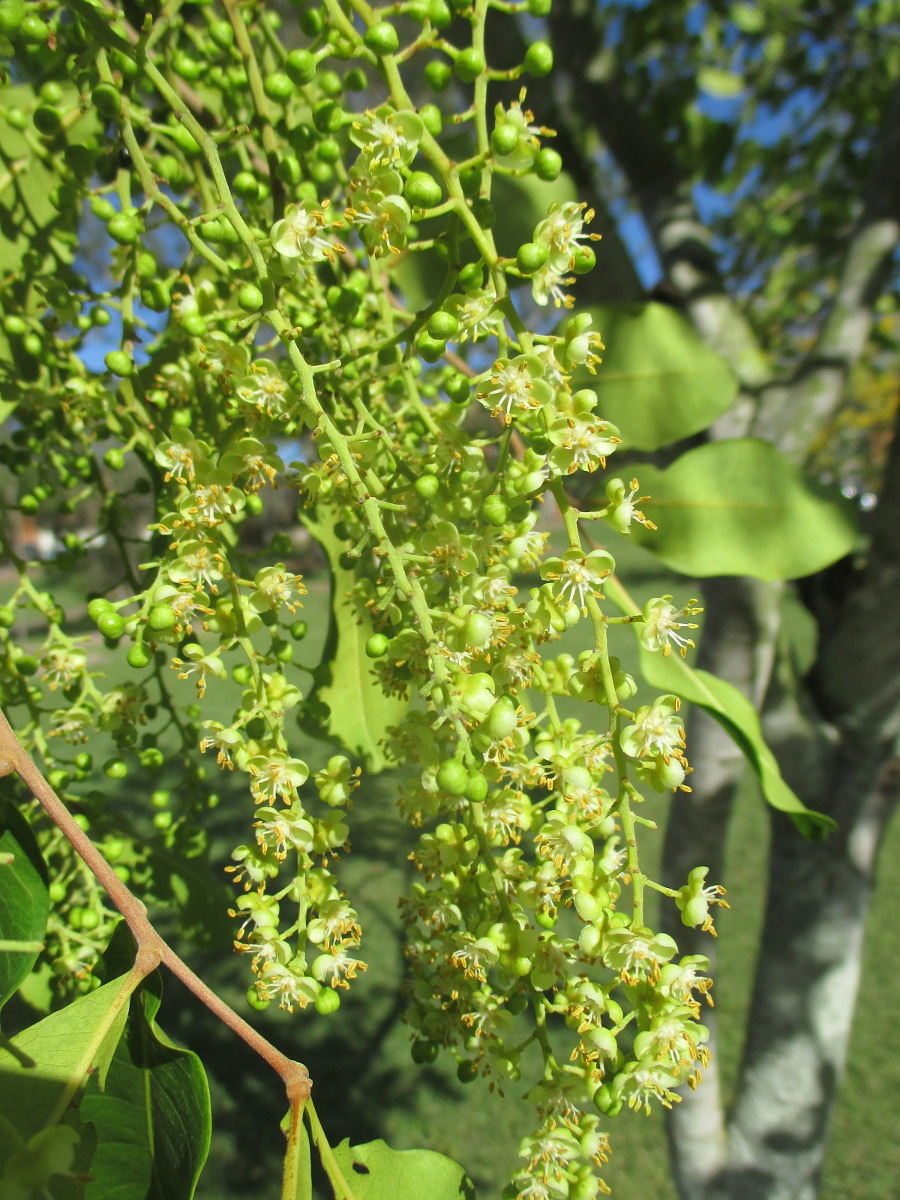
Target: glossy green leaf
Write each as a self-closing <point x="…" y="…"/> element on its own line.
<point x="731" y="708"/>
<point x="23" y="898"/>
<point x="658" y="381"/>
<point x="47" y="1066"/>
<point x="739" y="507"/>
<point x="152" y="1118"/>
<point x="376" y="1172"/>
<point x="359" y="713"/>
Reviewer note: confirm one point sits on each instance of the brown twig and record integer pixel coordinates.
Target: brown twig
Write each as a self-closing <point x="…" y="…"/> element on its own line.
<point x="152" y="950"/>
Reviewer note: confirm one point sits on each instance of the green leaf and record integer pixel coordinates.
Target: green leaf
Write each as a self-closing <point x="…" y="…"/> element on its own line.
<point x="152" y="1119"/>
<point x="23" y="898"/>
<point x="723" y="84"/>
<point x="50" y="1062"/>
<point x="658" y="382"/>
<point x="739" y="507"/>
<point x="376" y="1172"/>
<point x="359" y="713"/>
<point x="731" y="709"/>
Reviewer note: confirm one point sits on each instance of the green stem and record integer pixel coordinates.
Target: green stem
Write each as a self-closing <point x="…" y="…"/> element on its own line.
<point x="342" y="1190"/>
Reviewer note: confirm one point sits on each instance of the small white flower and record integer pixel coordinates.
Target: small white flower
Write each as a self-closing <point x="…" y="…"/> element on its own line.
<point x="299" y="235"/>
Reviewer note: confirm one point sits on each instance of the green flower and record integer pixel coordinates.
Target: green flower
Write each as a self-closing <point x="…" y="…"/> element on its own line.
<point x="657" y="732"/>
<point x="661" y="625"/>
<point x="275" y="776"/>
<point x="387" y="137"/>
<point x="515" y="386"/>
<point x="276" y="586"/>
<point x="384" y="221"/>
<point x="279" y="830"/>
<point x="694" y="900"/>
<point x="581" y="443"/>
<point x="476" y="314"/>
<point x="300" y="235"/>
<point x="576" y="576"/>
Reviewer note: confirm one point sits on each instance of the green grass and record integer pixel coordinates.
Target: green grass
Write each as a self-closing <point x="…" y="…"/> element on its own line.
<point x="366" y="1085"/>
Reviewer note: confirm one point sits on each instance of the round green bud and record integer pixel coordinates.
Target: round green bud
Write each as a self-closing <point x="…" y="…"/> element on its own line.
<point x="222" y="34"/>
<point x="327" y="116"/>
<point x="138" y="657"/>
<point x="377" y="645"/>
<point x="427" y="486"/>
<point x="156" y="296"/>
<point x="467" y="1071"/>
<point x="438" y="74"/>
<point x="430" y="348"/>
<point x="97" y="607"/>
<point x="471" y="276"/>
<point x="187" y="66"/>
<point x="124" y="229"/>
<point x="502" y="719"/>
<point x="422" y="191"/>
<point x="443" y="325"/>
<point x="328" y="1001"/>
<point x="424" y="1052"/>
<point x="145" y="266"/>
<point x="119" y="363"/>
<point x="161" y="617"/>
<point x="476" y="787"/>
<point x="539" y="59"/>
<point x="495" y="511"/>
<point x="250" y="298"/>
<point x="47" y="119"/>
<point x="531" y="256"/>
<point x="33" y="30"/>
<point x="114" y="458"/>
<point x="110" y="624"/>
<point x="194" y="325"/>
<point x="15" y="325"/>
<point x="469" y="64"/>
<point x="382" y="38"/>
<point x="583" y="260"/>
<point x="548" y="165"/>
<point x="329" y="150"/>
<point x="278" y="86"/>
<point x="300" y="65"/>
<point x="505" y="138"/>
<point x="257" y="1002"/>
<point x="452" y="777"/>
<point x="115" y="768"/>
<point x="246" y="185"/>
<point x="458" y="388"/>
<point x="102" y="209"/>
<point x="431" y="118"/>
